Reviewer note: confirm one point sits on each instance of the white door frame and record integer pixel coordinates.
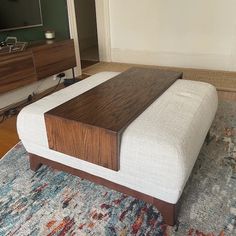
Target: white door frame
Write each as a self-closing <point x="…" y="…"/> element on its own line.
<point x="103" y="30"/>
<point x="74" y="34"/>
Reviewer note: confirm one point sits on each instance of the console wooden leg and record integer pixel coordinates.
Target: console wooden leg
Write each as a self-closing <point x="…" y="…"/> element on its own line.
<point x="35" y="162"/>
<point x="167" y="210"/>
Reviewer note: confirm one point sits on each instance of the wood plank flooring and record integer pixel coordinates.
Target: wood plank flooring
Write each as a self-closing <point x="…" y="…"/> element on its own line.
<point x="222" y="80"/>
<point x="8" y="133"/>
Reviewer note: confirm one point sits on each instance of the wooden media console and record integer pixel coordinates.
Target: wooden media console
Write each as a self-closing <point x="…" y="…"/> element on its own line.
<point x="38" y="61"/>
<point x="90" y="125"/>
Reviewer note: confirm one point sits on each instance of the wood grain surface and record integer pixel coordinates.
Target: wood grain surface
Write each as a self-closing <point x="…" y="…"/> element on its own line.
<point x="8" y="135"/>
<point x="38" y="61"/>
<point x="16" y="69"/>
<point x="50" y="59"/>
<point x="89" y="126"/>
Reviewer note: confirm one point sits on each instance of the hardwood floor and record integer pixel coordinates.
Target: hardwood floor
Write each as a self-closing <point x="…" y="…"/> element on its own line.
<point x="224" y="82"/>
<point x="8" y="135"/>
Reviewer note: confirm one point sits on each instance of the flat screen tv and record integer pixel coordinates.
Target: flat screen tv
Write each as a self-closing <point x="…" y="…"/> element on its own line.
<point x="18" y="14"/>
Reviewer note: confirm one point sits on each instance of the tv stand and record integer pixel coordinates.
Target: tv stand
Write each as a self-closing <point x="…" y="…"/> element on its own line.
<point x="40" y="60"/>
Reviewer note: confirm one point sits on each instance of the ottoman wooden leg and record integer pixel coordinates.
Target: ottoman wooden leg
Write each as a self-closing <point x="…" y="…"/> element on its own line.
<point x="168" y="211"/>
<point x="35" y="162"/>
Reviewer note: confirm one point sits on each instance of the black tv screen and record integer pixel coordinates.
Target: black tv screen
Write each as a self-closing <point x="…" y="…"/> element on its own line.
<point x="16" y="14"/>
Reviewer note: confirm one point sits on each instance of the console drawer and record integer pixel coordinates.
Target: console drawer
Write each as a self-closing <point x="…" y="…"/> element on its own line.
<point x="16" y="70"/>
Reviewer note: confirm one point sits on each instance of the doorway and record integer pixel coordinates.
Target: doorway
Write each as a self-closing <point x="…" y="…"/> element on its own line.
<point x="85" y="11"/>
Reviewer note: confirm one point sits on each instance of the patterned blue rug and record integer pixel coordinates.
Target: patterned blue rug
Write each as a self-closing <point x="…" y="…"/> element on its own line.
<point x="51" y="202"/>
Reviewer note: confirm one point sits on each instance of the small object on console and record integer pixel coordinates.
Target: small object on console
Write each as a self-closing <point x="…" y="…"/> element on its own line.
<point x="3" y="44"/>
<point x="10" y="41"/>
<point x="12" y="45"/>
<point x="49" y="34"/>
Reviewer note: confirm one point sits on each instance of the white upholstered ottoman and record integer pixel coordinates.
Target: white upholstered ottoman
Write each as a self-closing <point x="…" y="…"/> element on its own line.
<point x="158" y="149"/>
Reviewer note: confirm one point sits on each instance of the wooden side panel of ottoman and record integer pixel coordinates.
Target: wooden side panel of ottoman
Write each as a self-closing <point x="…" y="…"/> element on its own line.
<point x="88" y="143"/>
<point x="167" y="210"/>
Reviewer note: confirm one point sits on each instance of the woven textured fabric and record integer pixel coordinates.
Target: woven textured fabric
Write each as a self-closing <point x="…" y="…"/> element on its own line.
<point x="165" y="138"/>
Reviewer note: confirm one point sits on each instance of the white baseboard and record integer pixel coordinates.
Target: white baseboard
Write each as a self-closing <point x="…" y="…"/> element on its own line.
<point x="198" y="61"/>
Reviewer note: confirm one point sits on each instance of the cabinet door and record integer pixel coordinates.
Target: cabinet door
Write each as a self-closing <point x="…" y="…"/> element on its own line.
<point x="54" y="58"/>
<point x="16" y="70"/>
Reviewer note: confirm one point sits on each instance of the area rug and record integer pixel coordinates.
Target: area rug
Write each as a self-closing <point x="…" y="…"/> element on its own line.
<point x="50" y="202"/>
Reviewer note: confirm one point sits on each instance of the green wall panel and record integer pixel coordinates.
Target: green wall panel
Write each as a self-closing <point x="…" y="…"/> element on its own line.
<point x="55" y="17"/>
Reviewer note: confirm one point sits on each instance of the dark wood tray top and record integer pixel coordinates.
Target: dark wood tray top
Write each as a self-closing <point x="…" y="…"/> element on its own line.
<point x="90" y="125"/>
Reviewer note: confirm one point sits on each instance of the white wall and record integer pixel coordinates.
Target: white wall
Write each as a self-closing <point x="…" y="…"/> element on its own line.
<point x="188" y="33"/>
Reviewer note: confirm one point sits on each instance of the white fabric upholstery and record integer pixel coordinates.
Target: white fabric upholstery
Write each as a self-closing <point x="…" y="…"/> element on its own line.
<point x="158" y="149"/>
